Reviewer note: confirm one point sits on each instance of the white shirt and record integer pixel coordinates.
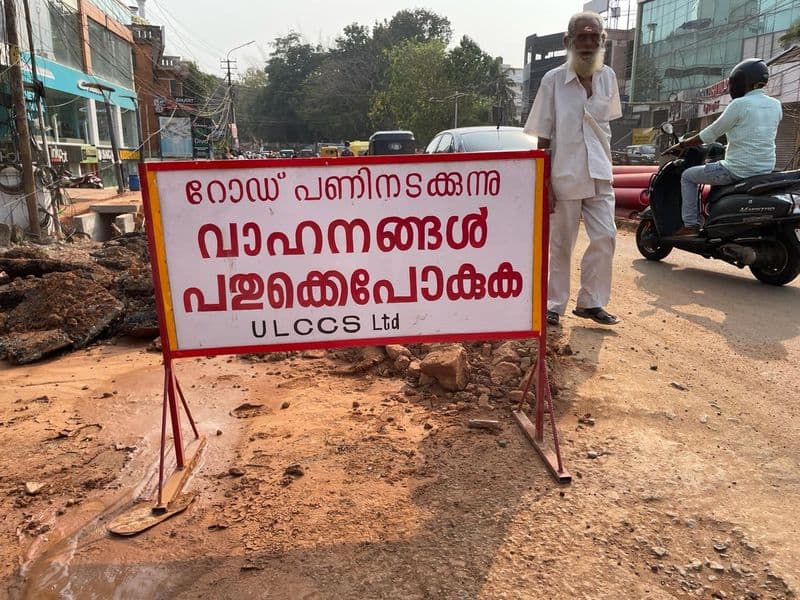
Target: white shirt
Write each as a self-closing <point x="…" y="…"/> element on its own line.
<point x="751" y="124"/>
<point x="577" y="127"/>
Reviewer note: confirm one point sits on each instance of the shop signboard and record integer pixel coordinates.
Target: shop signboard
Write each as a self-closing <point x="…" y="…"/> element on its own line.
<point x="201" y="139"/>
<point x="89" y="154"/>
<point x="642" y="135"/>
<point x="55" y="76"/>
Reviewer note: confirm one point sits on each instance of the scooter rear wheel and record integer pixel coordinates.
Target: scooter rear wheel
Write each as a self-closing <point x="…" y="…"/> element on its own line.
<point x="784" y="267"/>
<point x="648" y="242"/>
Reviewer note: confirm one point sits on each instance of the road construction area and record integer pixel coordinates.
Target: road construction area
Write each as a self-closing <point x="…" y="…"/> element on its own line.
<point x="354" y="474"/>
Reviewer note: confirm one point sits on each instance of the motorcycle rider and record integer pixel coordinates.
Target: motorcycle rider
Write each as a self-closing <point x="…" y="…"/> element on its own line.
<point x="750" y="122"/>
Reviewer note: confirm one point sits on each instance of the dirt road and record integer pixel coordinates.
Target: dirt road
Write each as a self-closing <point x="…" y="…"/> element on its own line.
<point x="681" y="428"/>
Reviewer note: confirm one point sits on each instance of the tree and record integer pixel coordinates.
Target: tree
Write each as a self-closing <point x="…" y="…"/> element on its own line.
<point x="791" y="36"/>
<point x="468" y="70"/>
<point x="417" y="25"/>
<point x="198" y="84"/>
<point x="500" y="87"/>
<point x="416" y="79"/>
<point x="290" y="63"/>
<point x="249" y="91"/>
<point x="337" y="94"/>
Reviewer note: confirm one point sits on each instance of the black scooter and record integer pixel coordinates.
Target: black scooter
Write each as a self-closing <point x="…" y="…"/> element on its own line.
<point x="754" y="223"/>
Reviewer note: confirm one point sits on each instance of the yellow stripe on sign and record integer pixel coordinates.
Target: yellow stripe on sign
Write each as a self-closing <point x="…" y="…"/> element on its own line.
<point x="161" y="260"/>
<point x="538" y="245"/>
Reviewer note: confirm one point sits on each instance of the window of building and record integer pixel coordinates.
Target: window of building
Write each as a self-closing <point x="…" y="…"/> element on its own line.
<point x="67" y="115"/>
<point x="130" y="133"/>
<point x="103" y="132"/>
<point x="62" y="24"/>
<point x="111" y="55"/>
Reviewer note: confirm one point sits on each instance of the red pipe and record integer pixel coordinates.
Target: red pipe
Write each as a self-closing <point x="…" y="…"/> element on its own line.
<point x="631" y="197"/>
<point x="634" y="169"/>
<point x="632" y="180"/>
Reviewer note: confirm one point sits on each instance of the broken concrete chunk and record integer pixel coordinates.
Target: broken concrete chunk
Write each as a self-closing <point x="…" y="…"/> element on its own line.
<point x="396" y="350"/>
<point x="505" y="372"/>
<point x="448" y="366"/>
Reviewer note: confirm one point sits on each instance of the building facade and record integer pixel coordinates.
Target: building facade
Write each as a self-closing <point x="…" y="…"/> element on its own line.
<point x="79" y="45"/>
<point x="167" y="113"/>
<point x="684" y="45"/>
<point x="685" y="50"/>
<point x="515" y="75"/>
<point x="546" y="52"/>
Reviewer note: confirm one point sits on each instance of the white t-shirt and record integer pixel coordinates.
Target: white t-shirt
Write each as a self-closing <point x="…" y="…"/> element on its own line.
<point x="577" y="127"/>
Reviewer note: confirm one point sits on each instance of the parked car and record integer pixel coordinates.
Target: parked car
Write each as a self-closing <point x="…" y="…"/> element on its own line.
<point x="392" y="142"/>
<point x="287" y="153"/>
<point x="485" y="138"/>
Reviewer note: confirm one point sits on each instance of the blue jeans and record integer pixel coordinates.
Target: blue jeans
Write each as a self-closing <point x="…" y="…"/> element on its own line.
<point x="713" y="173"/>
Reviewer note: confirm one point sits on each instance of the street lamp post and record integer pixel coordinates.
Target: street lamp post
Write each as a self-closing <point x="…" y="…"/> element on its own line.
<point x="233" y="129"/>
<point x="455" y="96"/>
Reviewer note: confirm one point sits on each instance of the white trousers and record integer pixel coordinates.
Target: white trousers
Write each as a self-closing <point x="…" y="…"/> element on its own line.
<point x="596" y="264"/>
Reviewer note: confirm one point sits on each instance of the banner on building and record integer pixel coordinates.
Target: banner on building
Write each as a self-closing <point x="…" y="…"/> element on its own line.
<point x="642" y="135"/>
<point x="176" y="137"/>
<point x="281" y="254"/>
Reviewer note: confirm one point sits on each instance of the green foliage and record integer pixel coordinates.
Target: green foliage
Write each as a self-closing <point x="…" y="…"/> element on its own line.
<point x="397" y="74"/>
<point x="418" y="25"/>
<point x="288" y="67"/>
<point x="791" y="36"/>
<point x="416" y="80"/>
<point x="336" y="96"/>
<point x="198" y="84"/>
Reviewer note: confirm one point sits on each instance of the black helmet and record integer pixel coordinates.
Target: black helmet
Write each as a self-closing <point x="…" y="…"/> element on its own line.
<point x="745" y="75"/>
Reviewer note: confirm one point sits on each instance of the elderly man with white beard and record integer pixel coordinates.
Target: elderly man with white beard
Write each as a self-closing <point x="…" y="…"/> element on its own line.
<point x="570" y="116"/>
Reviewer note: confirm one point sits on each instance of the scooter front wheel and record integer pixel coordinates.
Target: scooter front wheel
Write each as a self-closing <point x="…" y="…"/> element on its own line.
<point x="649" y="243"/>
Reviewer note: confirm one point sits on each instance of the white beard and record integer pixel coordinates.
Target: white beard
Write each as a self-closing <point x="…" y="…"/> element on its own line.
<point x="586" y="66"/>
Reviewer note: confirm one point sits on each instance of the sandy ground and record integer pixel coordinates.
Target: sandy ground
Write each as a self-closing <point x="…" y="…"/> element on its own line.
<point x="680" y="426"/>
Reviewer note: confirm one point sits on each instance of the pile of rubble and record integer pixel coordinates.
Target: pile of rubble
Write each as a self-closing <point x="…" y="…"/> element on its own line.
<point x="64" y="296"/>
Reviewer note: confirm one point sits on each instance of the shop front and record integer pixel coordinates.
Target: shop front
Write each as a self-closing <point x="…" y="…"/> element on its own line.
<point x="78" y="121"/>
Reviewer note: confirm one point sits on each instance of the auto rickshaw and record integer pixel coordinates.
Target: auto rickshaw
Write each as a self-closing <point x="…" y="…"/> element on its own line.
<point x="392" y="142"/>
<point x="359" y="148"/>
<point x="329" y="152"/>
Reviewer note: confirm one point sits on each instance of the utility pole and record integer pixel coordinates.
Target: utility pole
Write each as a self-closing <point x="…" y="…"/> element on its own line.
<point x="21" y="117"/>
<point x="112" y="132"/>
<point x="226" y="64"/>
<point x="229" y="65"/>
<point x="39" y="94"/>
<point x="38" y="87"/>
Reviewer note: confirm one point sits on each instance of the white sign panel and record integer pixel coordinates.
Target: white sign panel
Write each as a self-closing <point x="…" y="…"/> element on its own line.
<point x="344" y="251"/>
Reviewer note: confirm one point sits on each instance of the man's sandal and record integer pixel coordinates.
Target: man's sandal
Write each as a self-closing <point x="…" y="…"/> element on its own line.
<point x="598" y="315"/>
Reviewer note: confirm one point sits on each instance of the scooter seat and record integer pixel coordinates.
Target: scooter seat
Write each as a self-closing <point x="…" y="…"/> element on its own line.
<point x="759" y="184"/>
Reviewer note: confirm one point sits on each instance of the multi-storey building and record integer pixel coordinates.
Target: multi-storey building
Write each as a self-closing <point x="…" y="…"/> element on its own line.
<point x="167" y="114"/>
<point x="78" y="45"/>
<point x="546" y="52"/>
<point x="685" y="50"/>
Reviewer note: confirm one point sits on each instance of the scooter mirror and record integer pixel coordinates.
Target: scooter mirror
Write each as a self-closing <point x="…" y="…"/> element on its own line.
<point x="667" y="128"/>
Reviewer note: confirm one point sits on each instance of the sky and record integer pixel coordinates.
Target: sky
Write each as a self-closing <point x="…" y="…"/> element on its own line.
<point x="205" y="31"/>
